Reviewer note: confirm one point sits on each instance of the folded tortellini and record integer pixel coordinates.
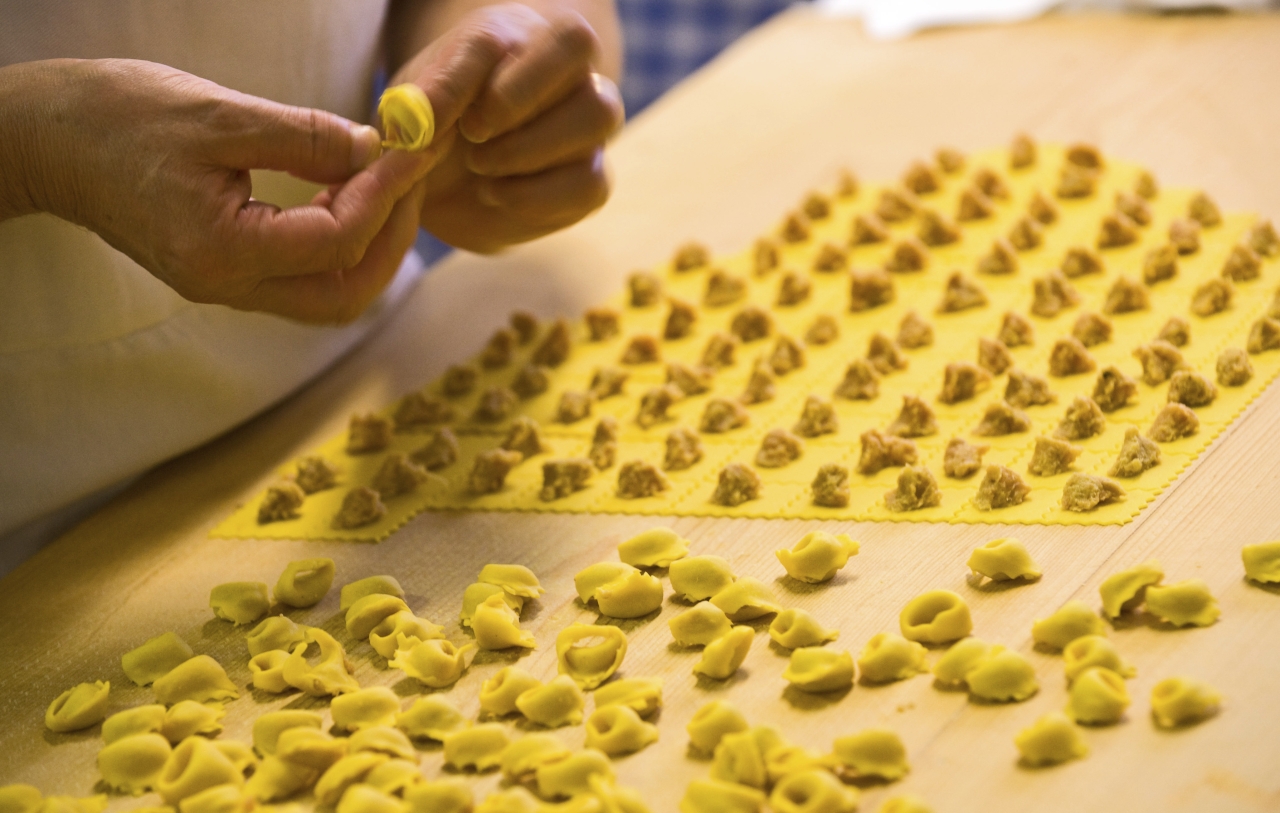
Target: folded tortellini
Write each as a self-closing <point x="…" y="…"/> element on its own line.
<point x="618" y="729"/>
<point x="953" y="668"/>
<point x="155" y="658"/>
<point x="1180" y="701"/>
<point x="746" y="599"/>
<point x="1002" y="675"/>
<point x="1124" y="591"/>
<point x="365" y="708"/>
<point x="935" y="617"/>
<point x="478" y="592"/>
<point x="218" y="799"/>
<point x="517" y="580"/>
<point x="364" y="798"/>
<point x="1072" y="620"/>
<point x="497" y="626"/>
<point x="1094" y="650"/>
<point x="147" y="719"/>
<point x="268" y="727"/>
<point x="403" y="625"/>
<point x="133" y="764"/>
<point x="699" y="625"/>
<point x="641" y="694"/>
<point x="816" y="669"/>
<point x="396" y="777"/>
<point x="590" y="653"/>
<point x="723" y="656"/>
<point x="240" y="602"/>
<point x="370" y="611"/>
<point x="436" y="663"/>
<point x="794" y="628"/>
<point x="632" y="593"/>
<point x="888" y="657"/>
<point x="498" y="694"/>
<point x="875" y="752"/>
<point x="556" y="703"/>
<point x="267" y="671"/>
<point x="1003" y="560"/>
<point x="812" y="789"/>
<point x="408" y="119"/>
<point x="1098" y="696"/>
<point x="347" y="771"/>
<point x="574" y="774"/>
<point x="817" y="557"/>
<point x="741" y="756"/>
<point x="382" y="739"/>
<point x="201" y="679"/>
<point x="304" y="582"/>
<point x="1050" y="740"/>
<point x="656" y="547"/>
<point x="716" y="796"/>
<point x="187" y="718"/>
<point x="698" y="578"/>
<point x="370" y="585"/>
<point x="1183" y="604"/>
<point x="711" y="722"/>
<point x="329" y="675"/>
<point x="274" y="633"/>
<point x="522" y="757"/>
<point x="1262" y="562"/>
<point x="446" y="795"/>
<point x="195" y="765"/>
<point x="318" y="750"/>
<point x="431" y="717"/>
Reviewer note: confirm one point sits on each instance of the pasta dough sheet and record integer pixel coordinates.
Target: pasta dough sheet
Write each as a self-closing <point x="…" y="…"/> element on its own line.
<point x="786" y="491"/>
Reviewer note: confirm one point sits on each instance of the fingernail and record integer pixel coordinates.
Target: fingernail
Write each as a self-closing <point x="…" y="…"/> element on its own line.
<point x="485" y="194"/>
<point x="366" y="145"/>
<point x="474" y="129"/>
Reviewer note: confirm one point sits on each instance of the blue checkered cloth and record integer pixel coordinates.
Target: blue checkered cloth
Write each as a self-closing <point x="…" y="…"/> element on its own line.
<point x="666" y="40"/>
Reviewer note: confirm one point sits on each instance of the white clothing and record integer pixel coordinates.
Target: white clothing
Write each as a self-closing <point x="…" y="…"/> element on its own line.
<point x="104" y="370"/>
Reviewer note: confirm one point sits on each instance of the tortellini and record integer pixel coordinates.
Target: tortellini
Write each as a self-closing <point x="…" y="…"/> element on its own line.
<point x="740" y="756"/>
<point x="785" y="759"/>
<point x="368" y="586"/>
<point x="218" y="799"/>
<point x="1125" y="590"/>
<point x="817" y="557"/>
<point x="1185" y="603"/>
<point x="1050" y="740"/>
<point x="745" y="600"/>
<point x="187" y="717"/>
<point x="317" y="749"/>
<point x="268" y="727"/>
<point x="147" y="719"/>
<point x="408" y="119"/>
<point x="795" y="628"/>
<point x="240" y="602"/>
<point x="1003" y="560"/>
<point x="590" y="654"/>
<point x="699" y="625"/>
<point x="1098" y="696"/>
<point x="1002" y="675"/>
<point x="711" y="722"/>
<point x="574" y="774"/>
<point x="370" y="611"/>
<point x="304" y="582"/>
<point x="959" y="660"/>
<point x="478" y="592"/>
<point x="517" y="580"/>
<point x="440" y="796"/>
<point x="267" y="671"/>
<point x="497" y="626"/>
<point x="633" y="594"/>
<point x="276" y="632"/>
<point x="888" y="657"/>
<point x="200" y="679"/>
<point x="1179" y="701"/>
<point x="195" y="765"/>
<point x="591" y="578"/>
<point x="618" y="729"/>
<point x="401" y="626"/>
<point x="431" y="717"/>
<point x="363" y="798"/>
<point x="1072" y="620"/>
<point x="498" y="694"/>
<point x="342" y="774"/>
<point x="815" y="669"/>
<point x="812" y="790"/>
<point x="23" y="799"/>
<point x="716" y="796"/>
<point x="330" y="675"/>
<point x="395" y="776"/>
<point x="155" y="659"/>
<point x="643" y="695"/>
<point x="364" y="708"/>
<point x="1093" y="650"/>
<point x="523" y="756"/>
<point x="133" y="764"/>
<point x="875" y="752"/>
<point x="436" y="663"/>
<point x="556" y="703"/>
<point x="722" y="657"/>
<point x="1262" y="562"/>
<point x="656" y="547"/>
<point x="698" y="578"/>
<point x="935" y="617"/>
<point x="382" y="739"/>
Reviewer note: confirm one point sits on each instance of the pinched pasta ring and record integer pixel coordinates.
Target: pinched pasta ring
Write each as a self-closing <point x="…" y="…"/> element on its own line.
<point x="78" y="707"/>
<point x="431" y="717"/>
<point x="642" y="695"/>
<point x="1125" y="590"/>
<point x="1178" y="701"/>
<point x="498" y="694"/>
<point x="200" y="679"/>
<point x="155" y="658"/>
<point x="590" y="654"/>
<point x="935" y="617"/>
<point x="239" y="602"/>
<point x="435" y="663"/>
<point x="330" y="675"/>
<point x="133" y="764"/>
<point x="523" y="756"/>
<point x="276" y="632"/>
<point x="699" y="625"/>
<point x="876" y="752"/>
<point x="1051" y="739"/>
<point x="1003" y="560"/>
<point x="794" y="628"/>
<point x="888" y="657"/>
<point x="711" y="722"/>
<point x="722" y="657"/>
<point x="698" y="578"/>
<point x="556" y="703"/>
<point x="817" y="556"/>
<point x="268" y="728"/>
<point x="815" y="669"/>
<point x="1098" y="696"/>
<point x="365" y="708"/>
<point x="304" y="582"/>
<point x="479" y="747"/>
<point x="1003" y="675"/>
<point x="618" y="730"/>
<point x="656" y="547"/>
<point x="812" y="789"/>
<point x="1072" y="620"/>
<point x="1186" y="603"/>
<point x="517" y="580"/>
<point x="497" y="626"/>
<point x="367" y="613"/>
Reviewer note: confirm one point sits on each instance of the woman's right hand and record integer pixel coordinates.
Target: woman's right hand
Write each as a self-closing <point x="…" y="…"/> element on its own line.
<point x="156" y="162"/>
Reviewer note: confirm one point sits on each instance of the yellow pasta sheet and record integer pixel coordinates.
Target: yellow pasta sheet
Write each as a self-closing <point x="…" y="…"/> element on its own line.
<point x="786" y="490"/>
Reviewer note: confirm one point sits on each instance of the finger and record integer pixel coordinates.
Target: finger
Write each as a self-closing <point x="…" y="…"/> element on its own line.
<point x="273" y="242"/>
<point x="552" y="199"/>
<point x="341" y="296"/>
<point x="557" y="58"/>
<point x="570" y="131"/>
<point x="312" y="144"/>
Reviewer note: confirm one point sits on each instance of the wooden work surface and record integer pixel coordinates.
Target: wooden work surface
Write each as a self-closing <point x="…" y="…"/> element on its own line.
<point x="720" y="159"/>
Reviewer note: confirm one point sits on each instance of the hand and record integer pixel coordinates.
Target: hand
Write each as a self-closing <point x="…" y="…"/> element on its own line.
<point x="157" y="161"/>
<point x="534" y="121"/>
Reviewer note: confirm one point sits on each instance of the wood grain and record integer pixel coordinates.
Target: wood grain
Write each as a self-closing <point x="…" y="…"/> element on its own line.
<point x="1196" y="98"/>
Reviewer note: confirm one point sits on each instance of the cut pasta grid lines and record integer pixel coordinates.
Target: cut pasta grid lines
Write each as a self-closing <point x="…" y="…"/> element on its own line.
<point x="786" y="491"/>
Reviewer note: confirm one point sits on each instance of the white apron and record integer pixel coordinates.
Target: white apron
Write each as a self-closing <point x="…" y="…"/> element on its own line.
<point x="104" y="370"/>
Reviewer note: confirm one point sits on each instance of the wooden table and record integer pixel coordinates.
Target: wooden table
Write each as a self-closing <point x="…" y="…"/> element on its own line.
<point x="720" y="159"/>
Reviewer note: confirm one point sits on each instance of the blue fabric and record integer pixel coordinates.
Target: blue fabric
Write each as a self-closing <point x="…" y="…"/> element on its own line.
<point x="666" y="40"/>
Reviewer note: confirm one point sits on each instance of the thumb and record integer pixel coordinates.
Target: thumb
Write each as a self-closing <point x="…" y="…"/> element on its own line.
<point x="315" y="145"/>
